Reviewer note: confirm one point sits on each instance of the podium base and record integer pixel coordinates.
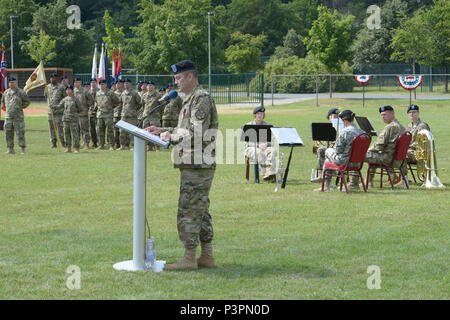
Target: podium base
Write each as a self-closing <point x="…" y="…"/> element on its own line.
<point x="128" y="265"/>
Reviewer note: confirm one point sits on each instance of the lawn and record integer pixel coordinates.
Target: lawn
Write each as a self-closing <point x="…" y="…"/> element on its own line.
<point x="59" y="210"/>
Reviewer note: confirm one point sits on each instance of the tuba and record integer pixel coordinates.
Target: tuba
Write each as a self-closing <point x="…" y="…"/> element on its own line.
<point x="426" y="160"/>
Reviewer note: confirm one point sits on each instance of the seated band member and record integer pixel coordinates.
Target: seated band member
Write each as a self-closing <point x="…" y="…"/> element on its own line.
<point x="320" y="152"/>
<point x="414" y="127"/>
<point x="383" y="149"/>
<point x="265" y="152"/>
<point x="340" y="153"/>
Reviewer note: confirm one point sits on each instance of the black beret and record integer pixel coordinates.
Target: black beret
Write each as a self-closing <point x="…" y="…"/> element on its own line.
<point x="182" y="66"/>
<point x="162" y="89"/>
<point x="53" y="75"/>
<point x="63" y="77"/>
<point x="11" y="79"/>
<point x="346" y="114"/>
<point x="121" y="81"/>
<point x="150" y="82"/>
<point x="77" y="79"/>
<point x="86" y="84"/>
<point x="103" y="81"/>
<point x="412" y="107"/>
<point x="386" y="108"/>
<point x="332" y="111"/>
<point x="69" y="87"/>
<point x="259" y="109"/>
<point x="93" y="80"/>
<point x="169" y="85"/>
<point x="127" y="80"/>
<point x="140" y="81"/>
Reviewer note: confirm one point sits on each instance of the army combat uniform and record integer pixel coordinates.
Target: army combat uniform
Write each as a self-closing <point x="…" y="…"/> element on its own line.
<point x="266" y="158"/>
<point x="117" y="117"/>
<point x="341" y="151"/>
<point x="15" y="101"/>
<point x="198" y="115"/>
<point x="72" y="108"/>
<point x="56" y="93"/>
<point x="171" y="112"/>
<point x="106" y="102"/>
<point x="131" y="104"/>
<point x="93" y="118"/>
<point x="414" y="130"/>
<point x="85" y="100"/>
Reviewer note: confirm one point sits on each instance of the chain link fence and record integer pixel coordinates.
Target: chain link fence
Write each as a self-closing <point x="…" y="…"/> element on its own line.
<point x="225" y="88"/>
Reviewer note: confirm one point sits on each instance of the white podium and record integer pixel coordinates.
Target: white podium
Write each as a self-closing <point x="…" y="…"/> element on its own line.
<point x="139" y="196"/>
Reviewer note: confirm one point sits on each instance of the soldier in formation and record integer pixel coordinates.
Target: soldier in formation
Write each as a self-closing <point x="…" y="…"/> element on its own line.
<point x="56" y="92"/>
<point x="106" y="101"/>
<point x="131" y="104"/>
<point x="71" y="107"/>
<point x="14" y="100"/>
<point x="85" y="100"/>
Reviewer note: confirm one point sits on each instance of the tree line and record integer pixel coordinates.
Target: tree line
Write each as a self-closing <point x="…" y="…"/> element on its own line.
<point x="290" y="36"/>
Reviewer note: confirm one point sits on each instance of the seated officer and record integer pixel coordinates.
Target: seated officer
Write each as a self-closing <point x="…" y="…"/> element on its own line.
<point x="320" y="152"/>
<point x="265" y="152"/>
<point x="340" y="153"/>
<point x="382" y="151"/>
<point x="414" y="127"/>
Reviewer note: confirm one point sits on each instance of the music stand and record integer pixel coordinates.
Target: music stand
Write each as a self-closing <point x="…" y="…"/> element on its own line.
<point x="256" y="133"/>
<point x="323" y="132"/>
<point x="287" y="137"/>
<point x="139" y="194"/>
<point x="365" y="124"/>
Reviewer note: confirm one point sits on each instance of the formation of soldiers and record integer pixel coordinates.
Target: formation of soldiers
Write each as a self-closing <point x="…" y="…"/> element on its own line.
<point x="88" y="112"/>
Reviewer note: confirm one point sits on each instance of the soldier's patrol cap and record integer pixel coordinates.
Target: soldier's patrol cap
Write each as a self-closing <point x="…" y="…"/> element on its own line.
<point x="127" y="80"/>
<point x="346" y="114"/>
<point x="11" y="79"/>
<point x="183" y="66"/>
<point x="412" y="107"/>
<point x="332" y="111"/>
<point x="103" y="81"/>
<point x="386" y="108"/>
<point x="259" y="109"/>
<point x="69" y="87"/>
<point x="53" y="75"/>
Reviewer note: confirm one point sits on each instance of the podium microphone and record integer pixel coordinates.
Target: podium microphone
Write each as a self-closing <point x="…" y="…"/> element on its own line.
<point x="163" y="101"/>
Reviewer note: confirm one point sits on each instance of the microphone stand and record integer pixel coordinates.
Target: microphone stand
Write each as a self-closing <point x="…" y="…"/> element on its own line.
<point x="151" y="111"/>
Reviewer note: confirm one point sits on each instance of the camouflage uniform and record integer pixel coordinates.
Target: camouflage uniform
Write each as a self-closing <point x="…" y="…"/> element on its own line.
<point x="117" y="117"/>
<point x="85" y="100"/>
<point x="196" y="162"/>
<point x="266" y="158"/>
<point x="383" y="149"/>
<point x="106" y="102"/>
<point x="150" y="100"/>
<point x="15" y="101"/>
<point x="341" y="151"/>
<point x="56" y="93"/>
<point x="131" y="104"/>
<point x="414" y="129"/>
<point x="93" y="117"/>
<point x="171" y="112"/>
<point x="72" y="108"/>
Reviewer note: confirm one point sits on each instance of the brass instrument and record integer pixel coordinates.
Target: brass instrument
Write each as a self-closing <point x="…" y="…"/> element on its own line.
<point x="426" y="160"/>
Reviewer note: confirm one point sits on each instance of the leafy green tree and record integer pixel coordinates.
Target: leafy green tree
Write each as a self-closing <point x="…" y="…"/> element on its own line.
<point x="292" y="46"/>
<point x="41" y="48"/>
<point x="303" y="14"/>
<point x="244" y="52"/>
<point x="115" y="37"/>
<point x="329" y="38"/>
<point x="168" y="33"/>
<point x="24" y="10"/>
<point x="373" y="46"/>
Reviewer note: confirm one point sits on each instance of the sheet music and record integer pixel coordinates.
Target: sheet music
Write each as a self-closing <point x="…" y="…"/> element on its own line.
<point x="287" y="136"/>
<point x="141" y="133"/>
<point x="336" y="124"/>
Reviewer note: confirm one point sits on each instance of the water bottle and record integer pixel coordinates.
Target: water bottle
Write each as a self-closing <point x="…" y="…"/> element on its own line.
<point x="150" y="254"/>
<point x="313" y="174"/>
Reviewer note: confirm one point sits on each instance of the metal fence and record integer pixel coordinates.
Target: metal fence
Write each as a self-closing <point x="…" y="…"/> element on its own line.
<point x="225" y="88"/>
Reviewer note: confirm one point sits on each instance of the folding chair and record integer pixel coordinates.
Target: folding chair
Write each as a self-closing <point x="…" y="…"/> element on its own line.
<point x="358" y="150"/>
<point x="401" y="150"/>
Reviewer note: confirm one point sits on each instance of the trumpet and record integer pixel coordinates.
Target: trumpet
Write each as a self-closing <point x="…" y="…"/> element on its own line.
<point x="426" y="160"/>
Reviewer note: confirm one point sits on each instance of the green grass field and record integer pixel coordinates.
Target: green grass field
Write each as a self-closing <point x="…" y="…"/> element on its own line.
<point x="58" y="210"/>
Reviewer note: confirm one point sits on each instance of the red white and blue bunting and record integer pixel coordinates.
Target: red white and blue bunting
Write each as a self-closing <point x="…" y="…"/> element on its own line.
<point x="363" y="79"/>
<point x="410" y="82"/>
